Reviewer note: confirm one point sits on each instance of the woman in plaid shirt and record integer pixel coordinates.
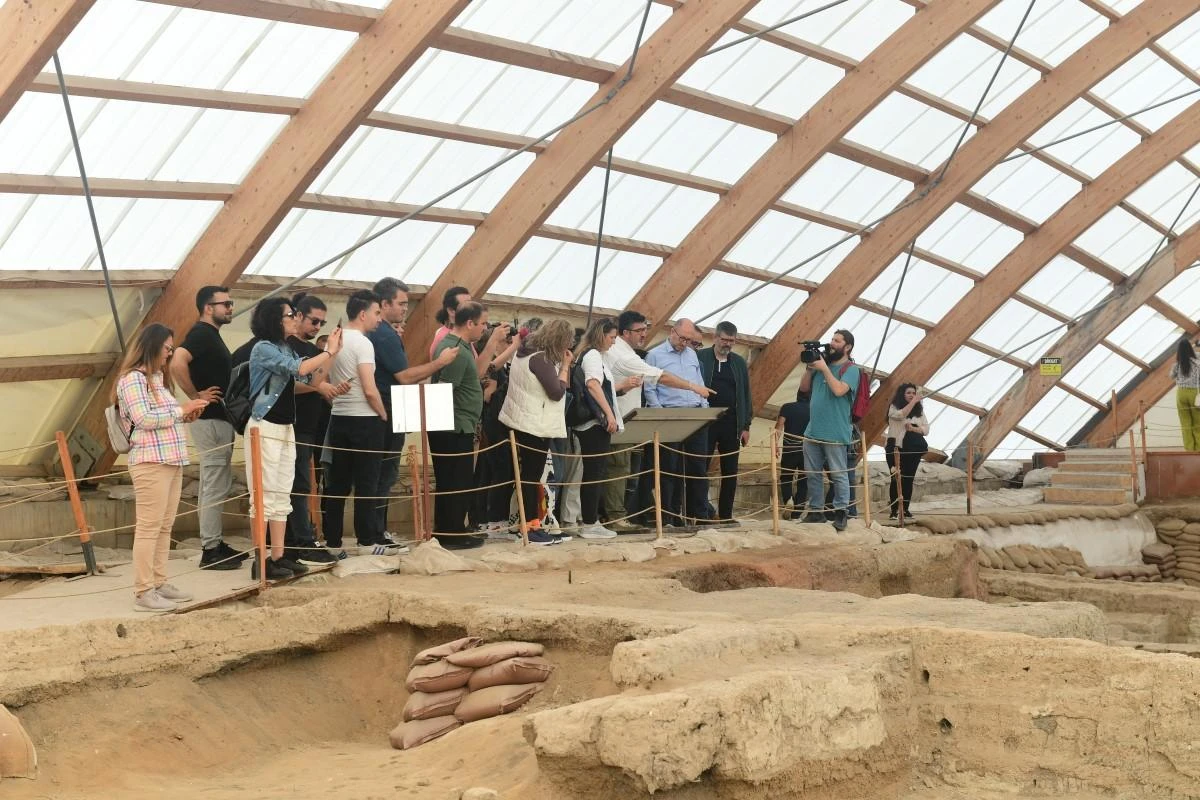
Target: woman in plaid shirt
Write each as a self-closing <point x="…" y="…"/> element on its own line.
<point x="157" y="456"/>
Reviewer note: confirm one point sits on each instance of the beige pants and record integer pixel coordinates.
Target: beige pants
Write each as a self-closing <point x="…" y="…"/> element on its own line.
<point x="156" y="490"/>
<point x="278" y="467"/>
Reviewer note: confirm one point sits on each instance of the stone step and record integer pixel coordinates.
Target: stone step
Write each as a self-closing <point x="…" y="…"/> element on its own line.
<point x="1094" y="480"/>
<point x="1098" y="453"/>
<point x="1091" y="465"/>
<point x="1081" y="495"/>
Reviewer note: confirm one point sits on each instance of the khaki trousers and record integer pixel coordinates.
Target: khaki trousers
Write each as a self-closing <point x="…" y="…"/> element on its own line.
<point x="156" y="490"/>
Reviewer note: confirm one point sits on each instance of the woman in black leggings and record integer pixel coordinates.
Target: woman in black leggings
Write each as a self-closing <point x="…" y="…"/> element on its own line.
<point x="906" y="445"/>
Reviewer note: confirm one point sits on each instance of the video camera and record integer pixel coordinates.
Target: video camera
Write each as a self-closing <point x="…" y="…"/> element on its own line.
<point x="512" y="329"/>
<point x="811" y="352"/>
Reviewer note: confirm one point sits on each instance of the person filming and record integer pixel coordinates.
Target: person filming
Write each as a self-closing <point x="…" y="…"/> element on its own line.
<point x="831" y="378"/>
<point x="906" y="446"/>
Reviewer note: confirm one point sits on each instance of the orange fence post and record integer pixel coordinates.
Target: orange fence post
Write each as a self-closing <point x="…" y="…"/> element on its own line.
<point x="898" y="479"/>
<point x="512" y="441"/>
<point x="970" y="471"/>
<point x="866" y="481"/>
<point x="774" y="482"/>
<point x="658" y="526"/>
<point x="258" y="523"/>
<point x="85" y="536"/>
<point x="417" y="495"/>
<point x="1133" y="465"/>
<point x="1116" y="429"/>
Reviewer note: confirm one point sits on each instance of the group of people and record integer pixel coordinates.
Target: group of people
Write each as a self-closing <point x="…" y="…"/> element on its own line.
<point x="322" y="405"/>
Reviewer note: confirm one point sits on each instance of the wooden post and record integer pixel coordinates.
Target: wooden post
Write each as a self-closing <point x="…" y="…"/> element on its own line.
<point x="418" y="496"/>
<point x="258" y="523"/>
<point x="85" y="536"/>
<point x="314" y="502"/>
<point x="1142" y="422"/>
<point x="866" y="481"/>
<point x="512" y="441"/>
<point x="898" y="480"/>
<point x="1116" y="430"/>
<point x="426" y="514"/>
<point x="774" y="482"/>
<point x="658" y="526"/>
<point x="1133" y="465"/>
<point x="970" y="471"/>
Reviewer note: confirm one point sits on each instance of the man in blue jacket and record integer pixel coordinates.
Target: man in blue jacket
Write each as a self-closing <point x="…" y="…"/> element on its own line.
<point x="726" y="374"/>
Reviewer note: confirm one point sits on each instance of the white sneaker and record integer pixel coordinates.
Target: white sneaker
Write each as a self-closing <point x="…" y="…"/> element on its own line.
<point x="151" y="600"/>
<point x="169" y="592"/>
<point x="499" y="532"/>
<point x="383" y="549"/>
<point x="597" y="531"/>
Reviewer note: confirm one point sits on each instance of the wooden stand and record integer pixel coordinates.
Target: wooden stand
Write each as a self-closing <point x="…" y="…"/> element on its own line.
<point x="658" y="525"/>
<point x="258" y="523"/>
<point x="85" y="536"/>
<point x="516" y="459"/>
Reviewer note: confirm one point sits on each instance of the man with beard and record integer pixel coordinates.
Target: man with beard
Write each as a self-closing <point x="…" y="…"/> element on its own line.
<point x="832" y="384"/>
<point x="725" y="372"/>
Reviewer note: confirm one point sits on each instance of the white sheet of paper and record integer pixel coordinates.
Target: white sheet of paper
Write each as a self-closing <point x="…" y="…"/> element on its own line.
<point x="439" y="407"/>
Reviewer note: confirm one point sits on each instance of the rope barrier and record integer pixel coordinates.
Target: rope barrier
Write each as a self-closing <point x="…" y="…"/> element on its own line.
<point x="26" y="448"/>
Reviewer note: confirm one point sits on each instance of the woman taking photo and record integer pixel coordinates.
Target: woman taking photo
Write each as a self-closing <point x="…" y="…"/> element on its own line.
<point x="157" y="456"/>
<point x="1186" y="374"/>
<point x="906" y="445"/>
<point x="534" y="409"/>
<point x="274" y="370"/>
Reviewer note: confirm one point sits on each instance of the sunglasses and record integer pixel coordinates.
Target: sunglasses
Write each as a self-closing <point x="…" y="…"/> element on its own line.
<point x="320" y="323"/>
<point x="226" y="303"/>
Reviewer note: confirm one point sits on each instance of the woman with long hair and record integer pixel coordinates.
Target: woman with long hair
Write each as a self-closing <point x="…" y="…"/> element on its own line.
<point x="906" y="445"/>
<point x="157" y="456"/>
<point x="274" y="370"/>
<point x="1186" y="374"/>
<point x="534" y="409"/>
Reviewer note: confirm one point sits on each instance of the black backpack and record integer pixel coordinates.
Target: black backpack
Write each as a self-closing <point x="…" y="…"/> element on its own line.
<point x="237" y="398"/>
<point x="581" y="406"/>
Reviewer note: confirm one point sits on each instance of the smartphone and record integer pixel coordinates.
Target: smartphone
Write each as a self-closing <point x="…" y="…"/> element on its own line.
<point x="339" y="323"/>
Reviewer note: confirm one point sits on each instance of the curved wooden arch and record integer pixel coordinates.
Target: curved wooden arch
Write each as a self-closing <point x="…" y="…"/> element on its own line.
<point x="1005" y="280"/>
<point x="664" y="57"/>
<point x="797" y="150"/>
<point x="1039" y="104"/>
<point x="30" y="32"/>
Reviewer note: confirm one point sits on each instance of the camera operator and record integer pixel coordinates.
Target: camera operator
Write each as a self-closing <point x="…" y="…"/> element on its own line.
<point x="832" y="379"/>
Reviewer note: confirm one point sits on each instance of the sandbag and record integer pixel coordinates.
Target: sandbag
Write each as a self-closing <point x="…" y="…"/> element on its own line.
<point x="496" y="651"/>
<point x="1192" y="528"/>
<point x="494" y="701"/>
<point x="425" y="705"/>
<point x="408" y="735"/>
<point x="1158" y="550"/>
<point x="432" y="654"/>
<point x="1018" y="556"/>
<point x="18" y="758"/>
<point x="1006" y="560"/>
<point x="1171" y="524"/>
<point x="511" y="671"/>
<point x="440" y="676"/>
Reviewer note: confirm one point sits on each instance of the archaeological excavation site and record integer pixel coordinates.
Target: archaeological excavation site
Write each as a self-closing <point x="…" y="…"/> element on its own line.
<point x="1024" y="650"/>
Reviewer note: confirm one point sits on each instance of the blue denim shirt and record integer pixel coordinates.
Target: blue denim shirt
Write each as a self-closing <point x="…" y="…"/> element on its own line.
<point x="684" y="365"/>
<point x="272" y="367"/>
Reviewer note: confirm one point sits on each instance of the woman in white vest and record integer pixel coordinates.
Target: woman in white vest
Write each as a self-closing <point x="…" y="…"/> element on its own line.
<point x="534" y="409"/>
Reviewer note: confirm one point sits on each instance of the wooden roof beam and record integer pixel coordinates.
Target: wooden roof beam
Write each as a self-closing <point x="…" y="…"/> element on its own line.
<point x="345" y="96"/>
<point x="1080" y="339"/>
<point x="59" y="367"/>
<point x="664" y="57"/>
<point x="1079" y="214"/>
<point x="799" y="148"/>
<point x="31" y="31"/>
<point x="1037" y="105"/>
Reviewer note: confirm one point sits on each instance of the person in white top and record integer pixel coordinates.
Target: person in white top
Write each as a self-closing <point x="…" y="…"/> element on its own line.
<point x="356" y="427"/>
<point x="906" y="445"/>
<point x="624" y="363"/>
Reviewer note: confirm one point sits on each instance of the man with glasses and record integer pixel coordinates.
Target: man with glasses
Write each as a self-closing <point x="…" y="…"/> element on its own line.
<point x="392" y="369"/>
<point x="725" y="372"/>
<point x="201" y="367"/>
<point x="682" y="496"/>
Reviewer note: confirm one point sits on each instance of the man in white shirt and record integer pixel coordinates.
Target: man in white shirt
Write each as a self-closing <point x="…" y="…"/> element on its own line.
<point x="356" y="428"/>
<point x="623" y="363"/>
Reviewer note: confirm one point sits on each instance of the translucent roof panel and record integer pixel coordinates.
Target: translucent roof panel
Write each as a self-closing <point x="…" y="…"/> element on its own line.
<point x="853" y="28"/>
<point x="1143" y="333"/>
<point x="1057" y="415"/>
<point x="779" y="242"/>
<point x="910" y="130"/>
<point x="947" y="425"/>
<point x="1090" y="153"/>
<point x="761" y="314"/>
<point x="638" y="208"/>
<point x="1121" y="240"/>
<point x="763" y="74"/>
<point x="1183" y="41"/>
<point x="973" y="377"/>
<point x="678" y="139"/>
<point x="1018" y="325"/>
<point x="1097" y="373"/>
<point x="1184" y="292"/>
<point x="961" y="70"/>
<point x="969" y="238"/>
<point x="849" y="190"/>
<point x="1166" y="196"/>
<point x="1066" y="286"/>
<point x="1142" y="81"/>
<point x="928" y="291"/>
<point x="1016" y="446"/>
<point x="562" y="272"/>
<point x="1034" y="187"/>
<point x="1053" y="31"/>
<point x="868" y="329"/>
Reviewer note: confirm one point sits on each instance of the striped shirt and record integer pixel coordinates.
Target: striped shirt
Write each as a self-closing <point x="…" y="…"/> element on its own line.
<point x="157" y="420"/>
<point x="1192" y="381"/>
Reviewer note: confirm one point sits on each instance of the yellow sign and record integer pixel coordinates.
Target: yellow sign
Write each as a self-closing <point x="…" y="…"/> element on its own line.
<point x="1051" y="367"/>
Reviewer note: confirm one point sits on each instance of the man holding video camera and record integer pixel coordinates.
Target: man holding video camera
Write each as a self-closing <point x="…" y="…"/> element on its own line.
<point x="832" y="379"/>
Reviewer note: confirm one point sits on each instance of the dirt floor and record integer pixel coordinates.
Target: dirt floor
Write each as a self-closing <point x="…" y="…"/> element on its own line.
<point x="715" y="675"/>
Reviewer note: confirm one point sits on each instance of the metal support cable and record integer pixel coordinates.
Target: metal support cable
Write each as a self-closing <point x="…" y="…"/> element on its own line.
<point x="912" y="246"/>
<point x="87" y="195"/>
<point x="599" y="238"/>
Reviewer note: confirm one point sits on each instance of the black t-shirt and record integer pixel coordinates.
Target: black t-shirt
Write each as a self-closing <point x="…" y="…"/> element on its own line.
<point x="724" y="386"/>
<point x="284" y="410"/>
<point x="795" y="420"/>
<point x="242" y="354"/>
<point x="210" y="365"/>
<point x="309" y="404"/>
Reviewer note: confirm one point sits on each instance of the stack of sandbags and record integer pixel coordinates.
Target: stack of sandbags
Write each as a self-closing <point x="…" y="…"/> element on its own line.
<point x="1031" y="559"/>
<point x="461" y="681"/>
<point x="1139" y="573"/>
<point x="1161" y="555"/>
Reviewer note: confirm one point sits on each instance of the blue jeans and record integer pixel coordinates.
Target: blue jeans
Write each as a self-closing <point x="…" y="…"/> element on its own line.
<point x="821" y="456"/>
<point x="852" y="477"/>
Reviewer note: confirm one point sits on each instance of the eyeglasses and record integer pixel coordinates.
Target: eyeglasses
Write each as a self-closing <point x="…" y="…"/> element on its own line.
<point x="642" y="329"/>
<point x="226" y="303"/>
<point x="320" y="323"/>
<point x="289" y="314"/>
